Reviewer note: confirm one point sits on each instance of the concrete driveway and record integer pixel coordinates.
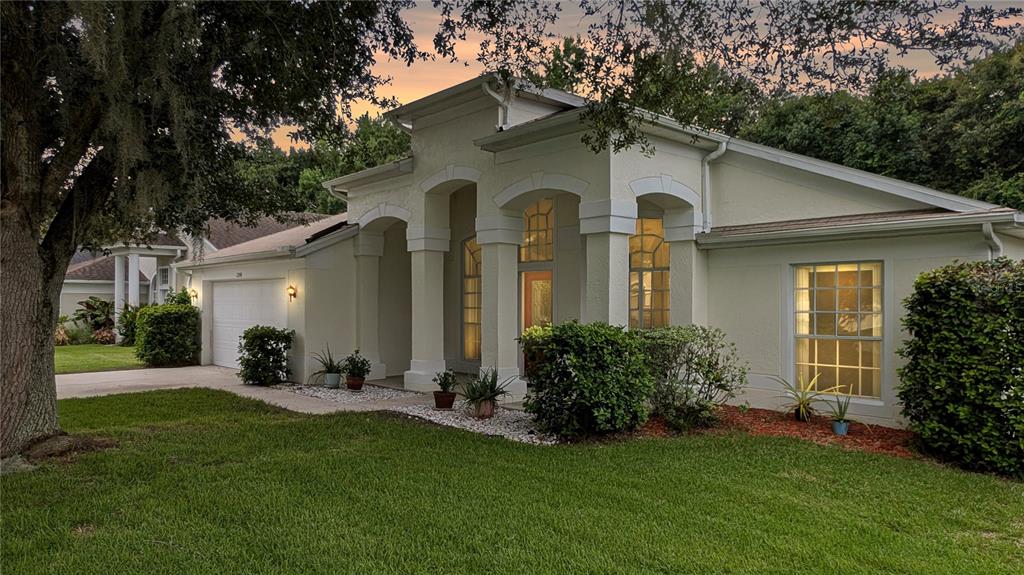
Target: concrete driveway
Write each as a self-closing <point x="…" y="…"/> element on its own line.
<point x="135" y="380"/>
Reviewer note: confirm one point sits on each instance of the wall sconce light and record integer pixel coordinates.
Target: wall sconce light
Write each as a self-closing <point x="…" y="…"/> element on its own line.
<point x="292" y="292"/>
<point x="194" y="294"/>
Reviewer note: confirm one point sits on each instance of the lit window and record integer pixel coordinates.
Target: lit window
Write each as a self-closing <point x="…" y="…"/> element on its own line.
<point x="839" y="326"/>
<point x="471" y="299"/>
<point x="648" y="275"/>
<point x="538" y="233"/>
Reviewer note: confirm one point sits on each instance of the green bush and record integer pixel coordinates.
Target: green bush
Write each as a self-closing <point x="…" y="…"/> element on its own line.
<point x="962" y="387"/>
<point x="95" y="314"/>
<point x="695" y="370"/>
<point x="167" y="335"/>
<point x="180" y="297"/>
<point x="127" y="324"/>
<point x="263" y="355"/>
<point x="586" y="379"/>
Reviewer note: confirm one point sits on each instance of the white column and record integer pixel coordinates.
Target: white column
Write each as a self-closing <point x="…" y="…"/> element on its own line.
<point x="499" y="239"/>
<point x="133" y="279"/>
<point x="427" y="248"/>
<point x="607" y="224"/>
<point x="118" y="289"/>
<point x="369" y="249"/>
<point x="687" y="269"/>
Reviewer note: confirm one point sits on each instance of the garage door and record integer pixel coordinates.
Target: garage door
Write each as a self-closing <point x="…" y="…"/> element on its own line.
<point x="239" y="305"/>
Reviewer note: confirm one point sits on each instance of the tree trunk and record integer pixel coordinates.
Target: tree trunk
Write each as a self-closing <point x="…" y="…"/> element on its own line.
<point x="30" y="291"/>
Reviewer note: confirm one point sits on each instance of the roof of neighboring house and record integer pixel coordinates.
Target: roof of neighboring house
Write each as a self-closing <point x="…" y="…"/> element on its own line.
<point x="96" y="269"/>
<point x="284" y="240"/>
<point x="223" y="234"/>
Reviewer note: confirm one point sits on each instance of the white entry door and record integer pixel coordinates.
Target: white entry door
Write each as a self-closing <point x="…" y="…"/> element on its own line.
<point x="238" y="305"/>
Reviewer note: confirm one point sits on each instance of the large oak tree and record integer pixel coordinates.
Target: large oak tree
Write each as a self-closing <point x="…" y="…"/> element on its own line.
<point x="117" y="118"/>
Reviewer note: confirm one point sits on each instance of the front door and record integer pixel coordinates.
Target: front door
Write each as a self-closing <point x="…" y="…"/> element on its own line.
<point x="536" y="298"/>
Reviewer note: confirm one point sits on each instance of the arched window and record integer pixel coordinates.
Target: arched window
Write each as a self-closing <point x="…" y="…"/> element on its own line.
<point x="538" y="233"/>
<point x="648" y="275"/>
<point x="471" y="299"/>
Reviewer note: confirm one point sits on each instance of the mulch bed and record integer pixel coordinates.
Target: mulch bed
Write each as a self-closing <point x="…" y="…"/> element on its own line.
<point x="873" y="438"/>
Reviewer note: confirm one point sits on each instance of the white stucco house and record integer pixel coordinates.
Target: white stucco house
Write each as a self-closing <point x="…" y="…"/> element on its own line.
<point x="501" y="218"/>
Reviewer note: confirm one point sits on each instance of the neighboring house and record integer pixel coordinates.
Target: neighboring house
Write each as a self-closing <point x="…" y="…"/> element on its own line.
<point x="502" y="219"/>
<point x="145" y="271"/>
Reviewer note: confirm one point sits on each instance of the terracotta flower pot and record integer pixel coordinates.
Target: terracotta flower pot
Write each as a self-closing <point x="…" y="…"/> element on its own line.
<point x="483" y="410"/>
<point x="354" y="383"/>
<point x="444" y="399"/>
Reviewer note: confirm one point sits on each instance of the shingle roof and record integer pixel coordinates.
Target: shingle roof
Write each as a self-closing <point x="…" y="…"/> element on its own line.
<point x="96" y="269"/>
<point x="295" y="236"/>
<point x="223" y="234"/>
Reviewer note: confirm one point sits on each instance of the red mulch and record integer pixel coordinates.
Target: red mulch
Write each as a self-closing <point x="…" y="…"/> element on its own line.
<point x="873" y="438"/>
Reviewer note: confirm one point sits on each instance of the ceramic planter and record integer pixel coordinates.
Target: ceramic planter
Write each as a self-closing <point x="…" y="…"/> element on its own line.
<point x="444" y="399"/>
<point x="483" y="410"/>
<point x="840" y="427"/>
<point x="354" y="383"/>
<point x="332" y="380"/>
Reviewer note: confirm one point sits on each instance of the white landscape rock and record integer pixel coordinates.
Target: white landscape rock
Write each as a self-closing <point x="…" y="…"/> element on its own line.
<point x="508" y="423"/>
<point x="343" y="395"/>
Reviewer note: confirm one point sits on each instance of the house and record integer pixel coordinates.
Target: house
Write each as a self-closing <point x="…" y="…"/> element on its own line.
<point x="502" y="219"/>
<point x="144" y="272"/>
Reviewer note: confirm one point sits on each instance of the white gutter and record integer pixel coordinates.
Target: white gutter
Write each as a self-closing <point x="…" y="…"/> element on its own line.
<point x="503" y="103"/>
<point x="995" y="245"/>
<point x="705" y="184"/>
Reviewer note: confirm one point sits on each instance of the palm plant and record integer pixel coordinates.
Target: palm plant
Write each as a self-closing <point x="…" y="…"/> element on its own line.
<point x="483" y="391"/>
<point x="802" y="396"/>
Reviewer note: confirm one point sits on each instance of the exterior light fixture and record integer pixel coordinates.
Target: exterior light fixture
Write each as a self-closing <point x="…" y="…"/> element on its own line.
<point x="292" y="292"/>
<point x="193" y="294"/>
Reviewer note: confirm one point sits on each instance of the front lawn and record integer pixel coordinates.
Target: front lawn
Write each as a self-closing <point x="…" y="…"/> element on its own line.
<point x="204" y="481"/>
<point x="94" y="357"/>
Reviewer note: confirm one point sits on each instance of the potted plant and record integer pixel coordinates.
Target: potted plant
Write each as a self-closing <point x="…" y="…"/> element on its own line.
<point x="840" y="422"/>
<point x="802" y="397"/>
<point x="329" y="368"/>
<point x="356" y="368"/>
<point x="482" y="393"/>
<point x="445" y="397"/>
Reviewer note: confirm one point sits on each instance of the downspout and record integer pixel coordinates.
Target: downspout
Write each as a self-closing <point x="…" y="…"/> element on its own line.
<point x="503" y="103"/>
<point x="995" y="245"/>
<point x="705" y="184"/>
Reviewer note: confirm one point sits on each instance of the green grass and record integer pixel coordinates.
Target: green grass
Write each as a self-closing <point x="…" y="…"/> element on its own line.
<point x="204" y="481"/>
<point x="94" y="357"/>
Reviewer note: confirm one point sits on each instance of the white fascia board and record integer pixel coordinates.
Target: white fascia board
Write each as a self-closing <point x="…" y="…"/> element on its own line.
<point x="369" y="176"/>
<point x="556" y="125"/>
<point x="90" y="282"/>
<point x="854" y="231"/>
<point x="254" y="256"/>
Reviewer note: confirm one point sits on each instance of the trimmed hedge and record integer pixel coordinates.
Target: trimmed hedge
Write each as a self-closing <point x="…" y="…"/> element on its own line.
<point x="586" y="379"/>
<point x="167" y="335"/>
<point x="963" y="385"/>
<point x="263" y="355"/>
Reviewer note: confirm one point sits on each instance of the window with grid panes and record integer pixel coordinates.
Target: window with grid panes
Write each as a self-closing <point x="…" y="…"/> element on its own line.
<point x="538" y="232"/>
<point x="648" y="275"/>
<point x="838" y="326"/>
<point x="471" y="303"/>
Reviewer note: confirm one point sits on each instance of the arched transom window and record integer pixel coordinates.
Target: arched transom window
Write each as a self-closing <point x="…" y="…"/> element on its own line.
<point x="471" y="299"/>
<point x="538" y="233"/>
<point x="648" y="275"/>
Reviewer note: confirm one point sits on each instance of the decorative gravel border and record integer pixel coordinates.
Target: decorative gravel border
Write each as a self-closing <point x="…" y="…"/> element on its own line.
<point x="508" y="423"/>
<point x="343" y="395"/>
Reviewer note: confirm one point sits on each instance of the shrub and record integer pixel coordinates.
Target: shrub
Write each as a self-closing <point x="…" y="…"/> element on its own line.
<point x="78" y="334"/>
<point x="357" y="366"/>
<point x="167" y="335"/>
<point x="127" y="324"/>
<point x="586" y="379"/>
<point x="104" y="336"/>
<point x="962" y="387"/>
<point x="60" y="333"/>
<point x="180" y="297"/>
<point x="94" y="313"/>
<point x="263" y="355"/>
<point x="695" y="370"/>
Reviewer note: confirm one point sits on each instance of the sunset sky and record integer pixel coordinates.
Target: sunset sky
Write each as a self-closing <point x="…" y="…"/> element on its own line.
<point x="409" y="83"/>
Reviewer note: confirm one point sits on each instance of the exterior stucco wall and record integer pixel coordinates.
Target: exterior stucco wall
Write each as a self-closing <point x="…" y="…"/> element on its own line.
<point x="395" y="314"/>
<point x="330" y="302"/>
<point x="748" y="190"/>
<point x="73" y="292"/>
<point x="750" y="298"/>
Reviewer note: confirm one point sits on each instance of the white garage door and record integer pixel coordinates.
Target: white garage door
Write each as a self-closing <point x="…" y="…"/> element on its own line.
<point x="242" y="304"/>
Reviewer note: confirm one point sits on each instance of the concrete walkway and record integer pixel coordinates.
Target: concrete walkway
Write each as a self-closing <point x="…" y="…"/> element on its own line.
<point x="137" y="380"/>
